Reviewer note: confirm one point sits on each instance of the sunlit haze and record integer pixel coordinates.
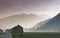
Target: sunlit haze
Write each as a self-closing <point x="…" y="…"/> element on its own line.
<point x="47" y="8"/>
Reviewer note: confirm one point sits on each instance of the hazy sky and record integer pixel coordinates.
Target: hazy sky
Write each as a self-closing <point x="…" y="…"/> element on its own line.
<point x="39" y="7"/>
<point x="49" y="8"/>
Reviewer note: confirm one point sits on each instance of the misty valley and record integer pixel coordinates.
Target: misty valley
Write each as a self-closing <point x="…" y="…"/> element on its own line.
<point x="49" y="28"/>
<point x="29" y="18"/>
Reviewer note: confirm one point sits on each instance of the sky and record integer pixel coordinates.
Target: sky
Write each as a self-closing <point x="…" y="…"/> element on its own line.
<point x="38" y="7"/>
<point x="48" y="8"/>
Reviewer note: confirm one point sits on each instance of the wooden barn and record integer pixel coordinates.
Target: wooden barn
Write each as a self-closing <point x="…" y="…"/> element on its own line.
<point x="1" y="31"/>
<point x="16" y="29"/>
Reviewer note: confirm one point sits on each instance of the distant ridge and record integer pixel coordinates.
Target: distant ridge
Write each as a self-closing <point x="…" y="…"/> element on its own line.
<point x="22" y="19"/>
<point x="53" y="25"/>
<point x="40" y="24"/>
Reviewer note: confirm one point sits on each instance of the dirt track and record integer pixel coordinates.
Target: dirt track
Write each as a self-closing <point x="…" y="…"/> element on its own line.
<point x="6" y="35"/>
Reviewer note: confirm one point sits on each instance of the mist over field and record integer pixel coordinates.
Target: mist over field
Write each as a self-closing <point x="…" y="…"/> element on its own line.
<point x="29" y="18"/>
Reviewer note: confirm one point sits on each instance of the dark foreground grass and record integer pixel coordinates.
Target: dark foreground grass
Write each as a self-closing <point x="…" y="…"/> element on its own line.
<point x="36" y="35"/>
<point x="2" y="33"/>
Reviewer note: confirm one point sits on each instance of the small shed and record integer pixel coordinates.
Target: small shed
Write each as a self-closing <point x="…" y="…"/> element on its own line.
<point x="1" y="31"/>
<point x="16" y="29"/>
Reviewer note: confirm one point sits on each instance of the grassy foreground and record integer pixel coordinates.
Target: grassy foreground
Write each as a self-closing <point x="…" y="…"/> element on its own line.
<point x="36" y="35"/>
<point x="2" y="33"/>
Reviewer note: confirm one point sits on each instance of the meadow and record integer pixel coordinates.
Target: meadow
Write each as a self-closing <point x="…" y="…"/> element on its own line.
<point x="37" y="35"/>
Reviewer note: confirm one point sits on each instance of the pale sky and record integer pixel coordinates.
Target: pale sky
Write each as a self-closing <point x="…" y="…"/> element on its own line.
<point x="39" y="7"/>
<point x="50" y="8"/>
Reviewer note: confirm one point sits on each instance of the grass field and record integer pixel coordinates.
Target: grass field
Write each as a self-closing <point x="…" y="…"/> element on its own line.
<point x="2" y="33"/>
<point x="36" y="35"/>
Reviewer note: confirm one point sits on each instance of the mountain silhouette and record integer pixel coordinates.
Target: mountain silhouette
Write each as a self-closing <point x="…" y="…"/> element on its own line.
<point x="40" y="24"/>
<point x="23" y="19"/>
<point x="53" y="25"/>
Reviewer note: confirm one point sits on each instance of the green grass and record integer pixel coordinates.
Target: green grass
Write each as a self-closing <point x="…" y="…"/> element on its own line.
<point x="2" y="33"/>
<point x="36" y="35"/>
